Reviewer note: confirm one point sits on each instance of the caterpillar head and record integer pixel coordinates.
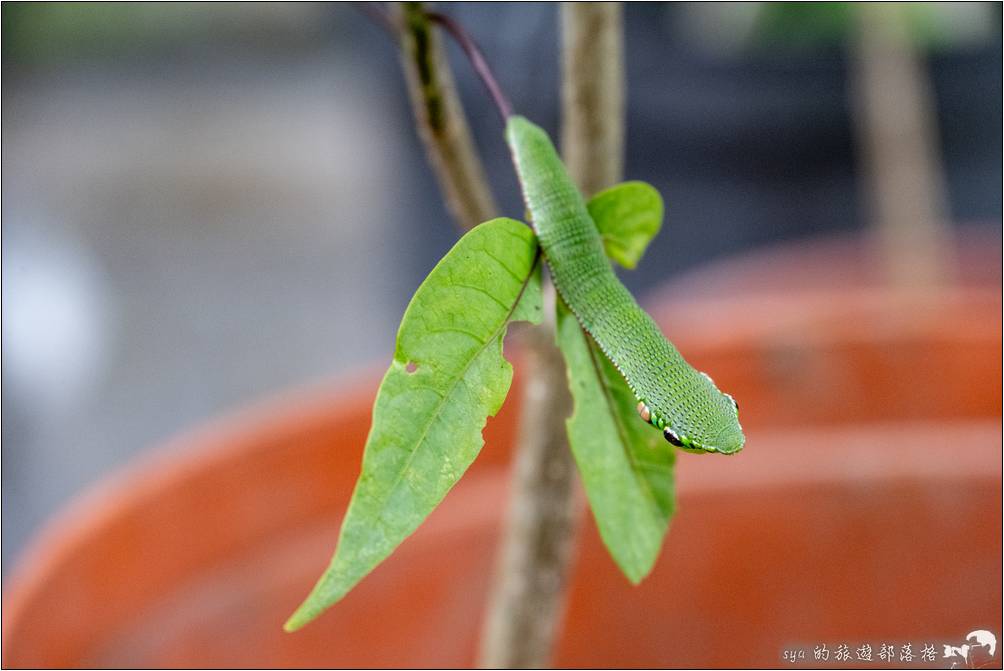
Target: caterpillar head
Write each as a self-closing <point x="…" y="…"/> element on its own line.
<point x="713" y="428"/>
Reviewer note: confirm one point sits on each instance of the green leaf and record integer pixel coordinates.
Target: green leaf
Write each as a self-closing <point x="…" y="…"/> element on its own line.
<point x="447" y="377"/>
<point x="626" y="466"/>
<point x="628" y="216"/>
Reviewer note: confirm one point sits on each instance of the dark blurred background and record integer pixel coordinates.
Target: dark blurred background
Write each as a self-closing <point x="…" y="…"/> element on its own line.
<point x="206" y="204"/>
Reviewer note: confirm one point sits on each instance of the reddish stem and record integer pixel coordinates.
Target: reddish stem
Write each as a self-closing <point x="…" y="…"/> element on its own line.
<point x="477" y="60"/>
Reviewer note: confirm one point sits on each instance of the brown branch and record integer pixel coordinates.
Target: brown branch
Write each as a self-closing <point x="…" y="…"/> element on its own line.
<point x="536" y="550"/>
<point x="592" y="93"/>
<point x="529" y="594"/>
<point x="441" y="121"/>
<point x="897" y="132"/>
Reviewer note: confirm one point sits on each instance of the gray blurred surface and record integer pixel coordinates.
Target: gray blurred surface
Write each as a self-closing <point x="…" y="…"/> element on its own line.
<point x="192" y="223"/>
<point x="177" y="243"/>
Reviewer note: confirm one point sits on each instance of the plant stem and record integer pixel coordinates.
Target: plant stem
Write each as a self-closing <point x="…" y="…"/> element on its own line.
<point x="525" y="604"/>
<point x="535" y="561"/>
<point x="535" y="558"/>
<point x="896" y="125"/>
<point x="441" y="121"/>
<point x="535" y="555"/>
<point x="592" y="94"/>
<point x="478" y="62"/>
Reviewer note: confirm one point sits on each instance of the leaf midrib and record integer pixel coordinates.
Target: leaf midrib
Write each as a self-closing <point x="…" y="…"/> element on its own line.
<point x="615" y="417"/>
<point x="463" y="373"/>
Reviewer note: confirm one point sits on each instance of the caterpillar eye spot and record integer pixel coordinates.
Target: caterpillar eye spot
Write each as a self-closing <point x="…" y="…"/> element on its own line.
<point x="672" y="437"/>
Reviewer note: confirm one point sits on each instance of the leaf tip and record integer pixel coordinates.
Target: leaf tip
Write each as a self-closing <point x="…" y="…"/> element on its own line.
<point x="300" y="617"/>
<point x="308" y="611"/>
<point x="634" y="567"/>
<point x="636" y="573"/>
<point x="627" y="260"/>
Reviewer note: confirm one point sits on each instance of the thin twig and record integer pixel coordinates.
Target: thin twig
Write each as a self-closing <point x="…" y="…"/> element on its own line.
<point x="477" y="60"/>
<point x="441" y="122"/>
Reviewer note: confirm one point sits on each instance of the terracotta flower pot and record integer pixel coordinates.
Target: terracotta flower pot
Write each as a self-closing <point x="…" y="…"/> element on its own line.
<point x="865" y="509"/>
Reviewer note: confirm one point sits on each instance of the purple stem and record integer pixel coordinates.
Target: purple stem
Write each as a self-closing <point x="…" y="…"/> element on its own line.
<point x="477" y="60"/>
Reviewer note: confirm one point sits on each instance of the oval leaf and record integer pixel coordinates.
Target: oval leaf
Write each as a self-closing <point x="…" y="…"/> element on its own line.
<point x="448" y="376"/>
<point x="627" y="216"/>
<point x="626" y="466"/>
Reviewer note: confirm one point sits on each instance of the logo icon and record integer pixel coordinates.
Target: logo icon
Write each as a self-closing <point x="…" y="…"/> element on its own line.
<point x="980" y="642"/>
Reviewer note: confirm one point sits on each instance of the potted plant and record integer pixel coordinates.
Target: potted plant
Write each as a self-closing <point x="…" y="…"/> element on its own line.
<point x="195" y="556"/>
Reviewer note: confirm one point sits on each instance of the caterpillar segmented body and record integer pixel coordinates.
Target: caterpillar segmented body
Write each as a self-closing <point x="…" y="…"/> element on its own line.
<point x="674" y="397"/>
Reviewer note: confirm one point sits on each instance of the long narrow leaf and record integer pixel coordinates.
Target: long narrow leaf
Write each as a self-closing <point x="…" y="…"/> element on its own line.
<point x="448" y="376"/>
<point x="626" y="466"/>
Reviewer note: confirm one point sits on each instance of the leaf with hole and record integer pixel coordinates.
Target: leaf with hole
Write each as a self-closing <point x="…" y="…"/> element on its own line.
<point x="447" y="377"/>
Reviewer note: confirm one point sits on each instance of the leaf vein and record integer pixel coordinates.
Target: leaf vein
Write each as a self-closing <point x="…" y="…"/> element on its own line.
<point x="454" y="329"/>
<point x="439" y="406"/>
<point x="482" y="291"/>
<point x="505" y="267"/>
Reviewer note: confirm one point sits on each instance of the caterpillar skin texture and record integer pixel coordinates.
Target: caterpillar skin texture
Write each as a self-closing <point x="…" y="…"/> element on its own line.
<point x="683" y="402"/>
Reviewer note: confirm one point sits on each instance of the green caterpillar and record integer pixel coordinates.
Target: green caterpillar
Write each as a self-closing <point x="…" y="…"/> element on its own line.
<point x="674" y="397"/>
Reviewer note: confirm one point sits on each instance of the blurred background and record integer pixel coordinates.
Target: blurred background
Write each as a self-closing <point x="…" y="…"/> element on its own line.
<point x="204" y="205"/>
